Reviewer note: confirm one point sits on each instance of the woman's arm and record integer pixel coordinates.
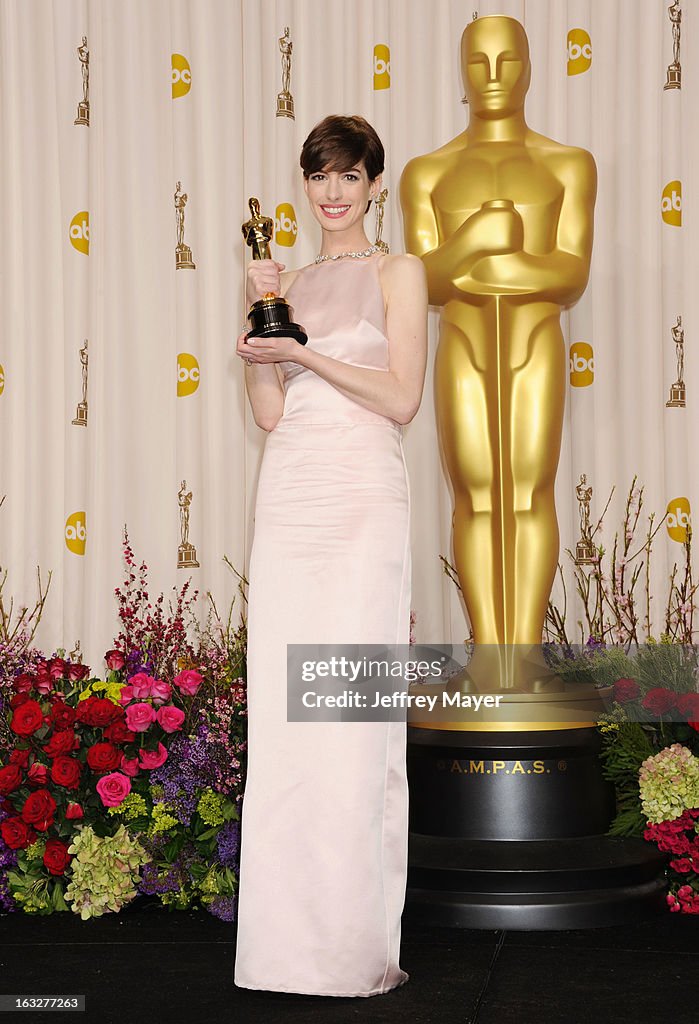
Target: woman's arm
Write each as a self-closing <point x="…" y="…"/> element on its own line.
<point x="263" y="383"/>
<point x="394" y="393"/>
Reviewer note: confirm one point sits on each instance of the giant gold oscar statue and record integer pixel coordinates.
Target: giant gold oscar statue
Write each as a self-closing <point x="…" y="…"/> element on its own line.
<point x="502" y="218"/>
<point x="503" y="810"/>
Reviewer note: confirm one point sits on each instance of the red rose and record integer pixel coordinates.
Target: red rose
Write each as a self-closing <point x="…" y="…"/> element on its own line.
<point x="39" y="809"/>
<point x="43" y="682"/>
<point x="97" y="711"/>
<point x="115" y="660"/>
<point x="117" y="732"/>
<point x="17" y="834"/>
<point x="56" y="856"/>
<point x="659" y="700"/>
<point x="65" y="771"/>
<point x="103" y="757"/>
<point x="688" y="705"/>
<point x="78" y="672"/>
<point x="18" y="700"/>
<point x="61" y="715"/>
<point x="38" y="774"/>
<point x="626" y="690"/>
<point x="57" y="668"/>
<point x="20" y="757"/>
<point x="10" y="778"/>
<point x="74" y="811"/>
<point x="23" y="683"/>
<point x="27" y="719"/>
<point x="62" y="742"/>
<point x="694" y="725"/>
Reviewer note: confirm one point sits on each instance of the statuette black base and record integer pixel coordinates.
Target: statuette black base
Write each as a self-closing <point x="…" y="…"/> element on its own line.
<point x="271" y="318"/>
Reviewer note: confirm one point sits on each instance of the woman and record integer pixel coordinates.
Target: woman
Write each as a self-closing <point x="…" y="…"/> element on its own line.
<point x="324" y="823"/>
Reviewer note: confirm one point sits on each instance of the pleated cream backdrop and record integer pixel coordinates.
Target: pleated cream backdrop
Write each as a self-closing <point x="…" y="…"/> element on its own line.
<point x="187" y="93"/>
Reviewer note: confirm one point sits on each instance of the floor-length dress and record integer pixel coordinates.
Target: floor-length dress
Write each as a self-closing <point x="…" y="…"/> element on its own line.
<point x="324" y="828"/>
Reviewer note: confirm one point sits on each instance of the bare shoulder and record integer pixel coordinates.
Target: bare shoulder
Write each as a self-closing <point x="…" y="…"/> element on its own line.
<point x="402" y="267"/>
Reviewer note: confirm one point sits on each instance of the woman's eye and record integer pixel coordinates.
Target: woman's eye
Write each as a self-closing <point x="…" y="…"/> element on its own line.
<point x="352" y="177"/>
<point x="317" y="177"/>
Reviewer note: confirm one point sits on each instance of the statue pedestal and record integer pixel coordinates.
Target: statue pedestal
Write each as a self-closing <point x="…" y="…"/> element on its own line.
<point x="507" y="831"/>
<point x="677" y="396"/>
<point x="187" y="557"/>
<point x="285" y="105"/>
<point x="674" y="77"/>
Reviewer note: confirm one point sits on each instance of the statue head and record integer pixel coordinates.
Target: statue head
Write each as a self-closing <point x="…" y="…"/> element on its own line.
<point x="495" y="66"/>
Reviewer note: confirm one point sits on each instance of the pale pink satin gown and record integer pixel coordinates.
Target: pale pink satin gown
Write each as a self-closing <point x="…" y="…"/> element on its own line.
<point x="325" y="813"/>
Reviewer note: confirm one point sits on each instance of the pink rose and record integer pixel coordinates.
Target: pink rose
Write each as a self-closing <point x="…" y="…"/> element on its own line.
<point x="113" y="789"/>
<point x="139" y="717"/>
<point x="115" y="660"/>
<point x="160" y="691"/>
<point x="129" y="765"/>
<point x="141" y="685"/>
<point x="150" y="759"/>
<point x="188" y="681"/>
<point x="170" y="718"/>
<point x="126" y="695"/>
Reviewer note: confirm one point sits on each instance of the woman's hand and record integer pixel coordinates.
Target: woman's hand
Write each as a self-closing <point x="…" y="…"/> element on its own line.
<point x="263" y="277"/>
<point x="268" y="350"/>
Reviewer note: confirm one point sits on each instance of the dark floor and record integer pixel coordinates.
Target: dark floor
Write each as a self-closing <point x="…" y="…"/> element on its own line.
<point x="152" y="967"/>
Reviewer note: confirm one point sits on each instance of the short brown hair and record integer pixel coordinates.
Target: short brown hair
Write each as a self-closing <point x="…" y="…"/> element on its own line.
<point x="338" y="143"/>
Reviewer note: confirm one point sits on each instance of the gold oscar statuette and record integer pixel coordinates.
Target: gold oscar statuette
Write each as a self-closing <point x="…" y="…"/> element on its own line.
<point x="81" y="411"/>
<point x="183" y="254"/>
<point x="585" y="551"/>
<point x="270" y="316"/>
<point x="84" y="104"/>
<point x="380" y="202"/>
<point x="502" y="218"/>
<point x="674" y="70"/>
<point x="678" y="391"/>
<point x="186" y="552"/>
<point x="285" y="101"/>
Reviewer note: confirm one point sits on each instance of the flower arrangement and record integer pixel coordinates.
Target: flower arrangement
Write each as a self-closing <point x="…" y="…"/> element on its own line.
<point x="128" y="785"/>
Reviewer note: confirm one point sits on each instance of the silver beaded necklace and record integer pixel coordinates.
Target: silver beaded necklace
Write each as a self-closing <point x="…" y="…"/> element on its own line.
<point x="354" y="255"/>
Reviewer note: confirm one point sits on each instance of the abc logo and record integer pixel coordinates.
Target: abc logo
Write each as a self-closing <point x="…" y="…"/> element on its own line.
<point x="285" y="226"/>
<point x="678" y="518"/>
<point x="582" y="364"/>
<point x="671" y="205"/>
<point x="579" y="51"/>
<point x="80" y="232"/>
<point x="187" y="374"/>
<point x="382" y="66"/>
<point x="2" y="379"/>
<point x="181" y="76"/>
<point x="76" y="534"/>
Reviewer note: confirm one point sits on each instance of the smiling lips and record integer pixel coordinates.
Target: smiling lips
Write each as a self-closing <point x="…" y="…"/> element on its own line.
<point x="334" y="211"/>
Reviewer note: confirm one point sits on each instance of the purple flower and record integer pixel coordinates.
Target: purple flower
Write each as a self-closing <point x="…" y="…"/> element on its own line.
<point x="228" y="843"/>
<point x="224" y="907"/>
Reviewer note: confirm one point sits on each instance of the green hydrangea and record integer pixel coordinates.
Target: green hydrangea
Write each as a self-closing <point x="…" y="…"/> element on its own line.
<point x="210" y="808"/>
<point x="134" y="806"/>
<point x="162" y="818"/>
<point x="669" y="783"/>
<point x="36" y="850"/>
<point x="104" y="872"/>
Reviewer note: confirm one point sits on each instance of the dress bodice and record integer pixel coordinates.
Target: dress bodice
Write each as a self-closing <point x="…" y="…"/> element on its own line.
<point x="341" y="307"/>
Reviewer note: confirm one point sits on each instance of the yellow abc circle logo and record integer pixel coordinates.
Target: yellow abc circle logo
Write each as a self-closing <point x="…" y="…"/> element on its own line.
<point x="285" y="226"/>
<point x="678" y="518"/>
<point x="671" y="204"/>
<point x="382" y="66"/>
<point x="181" y="76"/>
<point x="80" y="232"/>
<point x="76" y="533"/>
<point x="2" y="379"/>
<point x="582" y="364"/>
<point x="579" y="51"/>
<point x="187" y="374"/>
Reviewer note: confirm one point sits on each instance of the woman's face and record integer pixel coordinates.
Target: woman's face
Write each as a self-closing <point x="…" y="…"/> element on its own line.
<point x="338" y="199"/>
